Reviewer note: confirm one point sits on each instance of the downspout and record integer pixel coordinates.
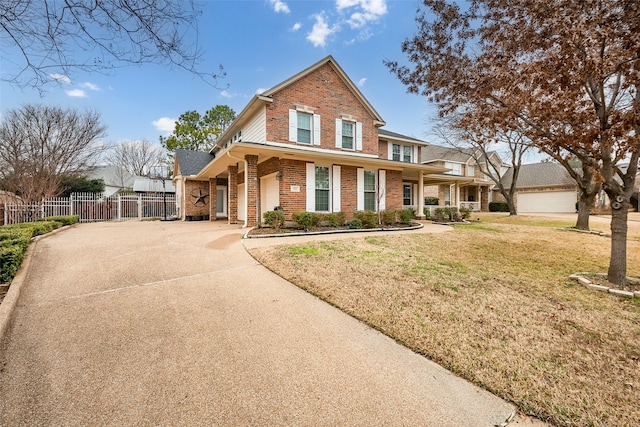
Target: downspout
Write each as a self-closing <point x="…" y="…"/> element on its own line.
<point x="246" y="187"/>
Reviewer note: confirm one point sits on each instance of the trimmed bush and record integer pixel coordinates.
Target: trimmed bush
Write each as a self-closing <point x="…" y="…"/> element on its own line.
<point x="465" y="213"/>
<point x="431" y="201"/>
<point x="305" y="220"/>
<point x="335" y="219"/>
<point x="406" y="216"/>
<point x="274" y="219"/>
<point x="63" y="220"/>
<point x="355" y="224"/>
<point x="498" y="207"/>
<point x="427" y="213"/>
<point x="368" y="218"/>
<point x="388" y="217"/>
<point x="10" y="260"/>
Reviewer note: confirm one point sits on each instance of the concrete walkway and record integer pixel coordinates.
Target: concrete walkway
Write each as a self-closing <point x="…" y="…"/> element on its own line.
<point x="173" y="323"/>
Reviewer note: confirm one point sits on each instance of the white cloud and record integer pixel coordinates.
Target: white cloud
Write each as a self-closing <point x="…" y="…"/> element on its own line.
<point x="362" y="81"/>
<point x="60" y="78"/>
<point x="367" y="11"/>
<point x="321" y="31"/>
<point x="90" y="86"/>
<point x="76" y="93"/>
<point x="296" y="26"/>
<point x="279" y="6"/>
<point x="164" y="124"/>
<point x="226" y="94"/>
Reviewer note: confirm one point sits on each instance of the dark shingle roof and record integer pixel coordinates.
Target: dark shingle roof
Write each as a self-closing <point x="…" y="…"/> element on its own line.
<point x="541" y="174"/>
<point x="388" y="133"/>
<point x="191" y="162"/>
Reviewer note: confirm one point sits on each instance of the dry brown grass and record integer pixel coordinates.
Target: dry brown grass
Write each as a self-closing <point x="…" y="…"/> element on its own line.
<point x="492" y="302"/>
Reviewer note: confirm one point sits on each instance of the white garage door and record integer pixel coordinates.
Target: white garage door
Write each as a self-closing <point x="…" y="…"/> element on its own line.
<point x="269" y="193"/>
<point x="547" y="201"/>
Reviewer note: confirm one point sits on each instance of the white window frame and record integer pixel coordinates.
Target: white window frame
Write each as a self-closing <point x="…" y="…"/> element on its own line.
<point x="293" y="126"/>
<point x="328" y="189"/>
<point x="393" y="153"/>
<point x="471" y="170"/>
<point x="374" y="191"/>
<point x="456" y="168"/>
<point x="357" y="135"/>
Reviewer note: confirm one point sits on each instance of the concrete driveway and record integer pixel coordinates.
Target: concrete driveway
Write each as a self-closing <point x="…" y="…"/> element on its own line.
<point x="173" y="323"/>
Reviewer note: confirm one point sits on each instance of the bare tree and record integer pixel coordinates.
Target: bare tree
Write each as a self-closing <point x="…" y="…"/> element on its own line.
<point x="481" y="143"/>
<point x="47" y="40"/>
<point x="135" y="157"/>
<point x="567" y="69"/>
<point x="39" y="145"/>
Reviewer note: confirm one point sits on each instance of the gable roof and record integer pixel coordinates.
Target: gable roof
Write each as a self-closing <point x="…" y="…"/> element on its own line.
<point x="191" y="162"/>
<point x="540" y="175"/>
<point x="112" y="176"/>
<point x="343" y="76"/>
<point x="433" y="153"/>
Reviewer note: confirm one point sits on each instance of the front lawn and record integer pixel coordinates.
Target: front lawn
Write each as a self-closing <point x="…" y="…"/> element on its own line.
<point x="492" y="302"/>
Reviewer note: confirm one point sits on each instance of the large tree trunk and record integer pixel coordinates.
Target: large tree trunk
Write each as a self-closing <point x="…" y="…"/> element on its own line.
<point x="617" y="273"/>
<point x="512" y="206"/>
<point x="585" y="203"/>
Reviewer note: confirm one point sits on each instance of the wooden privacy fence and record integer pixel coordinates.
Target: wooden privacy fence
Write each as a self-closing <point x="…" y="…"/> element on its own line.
<point x="92" y="207"/>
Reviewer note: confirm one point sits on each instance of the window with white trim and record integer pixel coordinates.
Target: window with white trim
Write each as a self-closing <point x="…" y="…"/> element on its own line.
<point x="369" y="190"/>
<point x="396" y="152"/>
<point x="304" y="127"/>
<point x="348" y="134"/>
<point x="406" y="153"/>
<point x="407" y="200"/>
<point x="456" y="168"/>
<point x="471" y="170"/>
<point x="322" y="189"/>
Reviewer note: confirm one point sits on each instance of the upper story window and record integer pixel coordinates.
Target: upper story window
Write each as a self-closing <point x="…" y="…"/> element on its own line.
<point x="456" y="168"/>
<point x="471" y="170"/>
<point x="402" y="153"/>
<point x="304" y="126"/>
<point x="406" y="154"/>
<point x="348" y="134"/>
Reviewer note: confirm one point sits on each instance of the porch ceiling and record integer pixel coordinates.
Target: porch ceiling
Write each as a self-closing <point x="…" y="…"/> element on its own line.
<point x="236" y="152"/>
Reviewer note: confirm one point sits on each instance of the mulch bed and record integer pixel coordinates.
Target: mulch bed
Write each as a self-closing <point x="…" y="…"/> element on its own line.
<point x="262" y="231"/>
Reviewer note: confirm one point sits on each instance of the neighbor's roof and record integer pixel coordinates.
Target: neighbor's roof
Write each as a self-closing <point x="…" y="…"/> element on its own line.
<point x="433" y="153"/>
<point x="191" y="162"/>
<point x="112" y="176"/>
<point x="540" y="174"/>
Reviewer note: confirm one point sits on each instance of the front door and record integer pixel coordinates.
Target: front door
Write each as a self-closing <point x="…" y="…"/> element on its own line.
<point x="221" y="202"/>
<point x="407" y="195"/>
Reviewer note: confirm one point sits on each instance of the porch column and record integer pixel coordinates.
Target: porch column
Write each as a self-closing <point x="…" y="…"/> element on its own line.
<point x="213" y="194"/>
<point x="251" y="183"/>
<point x="232" y="182"/>
<point x="457" y="187"/>
<point x="420" y="213"/>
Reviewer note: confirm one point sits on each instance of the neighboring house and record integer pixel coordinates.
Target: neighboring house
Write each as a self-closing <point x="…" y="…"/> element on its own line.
<point x="543" y="187"/>
<point x="463" y="185"/>
<point x="311" y="143"/>
<point x="115" y="178"/>
<point x="153" y="186"/>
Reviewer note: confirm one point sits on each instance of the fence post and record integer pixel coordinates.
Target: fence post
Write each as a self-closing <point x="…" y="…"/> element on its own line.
<point x="140" y="206"/>
<point x="71" y="204"/>
<point x="119" y="207"/>
<point x="6" y="214"/>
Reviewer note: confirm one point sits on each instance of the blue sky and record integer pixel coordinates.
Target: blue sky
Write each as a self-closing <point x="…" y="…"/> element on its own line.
<point x="260" y="43"/>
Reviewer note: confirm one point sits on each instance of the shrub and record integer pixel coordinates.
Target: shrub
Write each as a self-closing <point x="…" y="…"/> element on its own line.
<point x="406" y="215"/>
<point x="10" y="261"/>
<point x="498" y="207"/>
<point x="335" y="219"/>
<point x="440" y="215"/>
<point x="465" y="213"/>
<point x="274" y="219"/>
<point x="63" y="219"/>
<point x="433" y="201"/>
<point x="355" y="224"/>
<point x="368" y="218"/>
<point x="388" y="217"/>
<point x="305" y="220"/>
<point x="427" y="213"/>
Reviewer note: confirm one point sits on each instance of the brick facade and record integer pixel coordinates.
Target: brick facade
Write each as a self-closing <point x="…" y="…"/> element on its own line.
<point x="252" y="190"/>
<point x="327" y="94"/>
<point x="232" y="189"/>
<point x="393" y="196"/>
<point x="192" y="190"/>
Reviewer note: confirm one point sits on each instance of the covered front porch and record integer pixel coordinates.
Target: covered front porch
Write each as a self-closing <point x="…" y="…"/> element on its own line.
<point x="457" y="191"/>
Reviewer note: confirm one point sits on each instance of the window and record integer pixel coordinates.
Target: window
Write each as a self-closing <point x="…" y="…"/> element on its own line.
<point x="322" y="189"/>
<point x="471" y="171"/>
<point x="369" y="190"/>
<point x="456" y="168"/>
<point x="396" y="152"/>
<point x="406" y="154"/>
<point x="406" y="195"/>
<point x="304" y="128"/>
<point x="347" y="135"/>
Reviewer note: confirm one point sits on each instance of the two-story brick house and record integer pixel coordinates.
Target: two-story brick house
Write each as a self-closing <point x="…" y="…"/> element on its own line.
<point x="311" y="143"/>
